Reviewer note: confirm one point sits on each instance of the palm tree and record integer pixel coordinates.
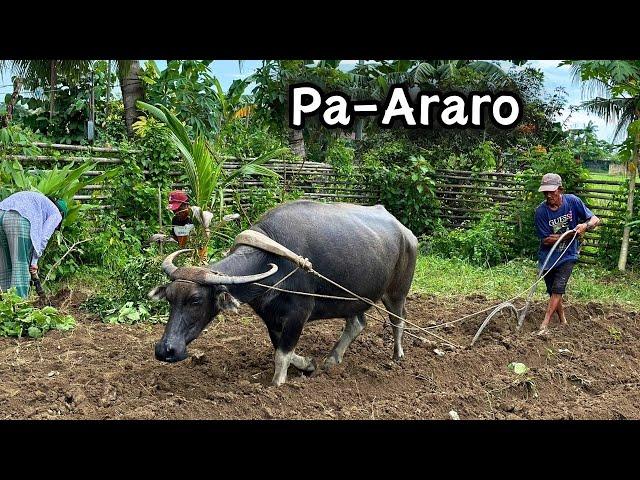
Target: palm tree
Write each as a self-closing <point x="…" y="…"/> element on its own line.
<point x="617" y="84"/>
<point x="376" y="78"/>
<point x="131" y="88"/>
<point x="44" y="74"/>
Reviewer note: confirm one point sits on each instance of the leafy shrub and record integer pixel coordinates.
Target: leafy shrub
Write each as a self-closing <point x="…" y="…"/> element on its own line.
<point x="18" y="316"/>
<point x="249" y="139"/>
<point x="482" y="158"/>
<point x="18" y="139"/>
<point x="408" y="192"/>
<point x="128" y="313"/>
<point x="485" y="243"/>
<point x="385" y="149"/>
<point x="340" y="155"/>
<point x="123" y="298"/>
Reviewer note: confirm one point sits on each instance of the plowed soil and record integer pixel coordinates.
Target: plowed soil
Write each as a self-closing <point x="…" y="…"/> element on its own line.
<point x="586" y="370"/>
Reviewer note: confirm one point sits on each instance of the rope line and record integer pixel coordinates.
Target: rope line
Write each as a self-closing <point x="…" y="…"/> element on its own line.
<point x="303" y="263"/>
<point x="517" y="296"/>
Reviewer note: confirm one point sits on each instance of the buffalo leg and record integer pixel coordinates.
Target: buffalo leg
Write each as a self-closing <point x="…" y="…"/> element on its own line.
<point x="305" y="364"/>
<point x="397" y="308"/>
<point x="353" y="326"/>
<point x="287" y="341"/>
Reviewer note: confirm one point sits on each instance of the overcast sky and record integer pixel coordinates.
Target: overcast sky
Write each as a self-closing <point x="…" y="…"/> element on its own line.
<point x="228" y="70"/>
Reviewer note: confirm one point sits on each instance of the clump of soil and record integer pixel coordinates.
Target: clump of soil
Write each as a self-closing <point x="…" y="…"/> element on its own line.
<point x="586" y="370"/>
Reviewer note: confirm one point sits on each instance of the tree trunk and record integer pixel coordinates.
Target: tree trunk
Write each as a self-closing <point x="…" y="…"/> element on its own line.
<point x="359" y="121"/>
<point x="296" y="143"/>
<point x="109" y="95"/>
<point x="624" y="248"/>
<point x="53" y="80"/>
<point x="132" y="91"/>
<point x="17" y="86"/>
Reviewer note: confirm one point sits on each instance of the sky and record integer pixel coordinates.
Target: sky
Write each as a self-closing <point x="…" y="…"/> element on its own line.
<point x="555" y="76"/>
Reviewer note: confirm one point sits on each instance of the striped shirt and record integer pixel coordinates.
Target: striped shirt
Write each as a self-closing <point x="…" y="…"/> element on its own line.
<point x="42" y="213"/>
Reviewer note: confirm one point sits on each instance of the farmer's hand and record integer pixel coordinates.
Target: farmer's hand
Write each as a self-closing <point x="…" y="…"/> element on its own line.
<point x="33" y="269"/>
<point x="581" y="228"/>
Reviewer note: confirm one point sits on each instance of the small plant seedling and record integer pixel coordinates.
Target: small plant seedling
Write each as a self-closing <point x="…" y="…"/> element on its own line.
<point x="518" y="368"/>
<point x="521" y="370"/>
<point x="615" y="333"/>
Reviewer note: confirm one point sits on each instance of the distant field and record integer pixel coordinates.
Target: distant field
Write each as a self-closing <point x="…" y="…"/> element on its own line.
<point x="605" y="176"/>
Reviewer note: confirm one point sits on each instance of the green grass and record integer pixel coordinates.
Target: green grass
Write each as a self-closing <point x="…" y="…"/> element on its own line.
<point x="605" y="176"/>
<point x="450" y="278"/>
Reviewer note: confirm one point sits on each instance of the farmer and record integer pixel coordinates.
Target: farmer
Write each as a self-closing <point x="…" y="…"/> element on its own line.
<point x="559" y="213"/>
<point x="27" y="221"/>
<point x="182" y="224"/>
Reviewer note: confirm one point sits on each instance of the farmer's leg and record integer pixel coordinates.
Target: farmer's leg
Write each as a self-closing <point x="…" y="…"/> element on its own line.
<point x="560" y="311"/>
<point x="553" y="305"/>
<point x="17" y="231"/>
<point x="553" y="302"/>
<point x="556" y="282"/>
<point x="560" y="286"/>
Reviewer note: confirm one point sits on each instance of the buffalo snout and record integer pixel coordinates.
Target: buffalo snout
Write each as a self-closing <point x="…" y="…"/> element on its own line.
<point x="170" y="352"/>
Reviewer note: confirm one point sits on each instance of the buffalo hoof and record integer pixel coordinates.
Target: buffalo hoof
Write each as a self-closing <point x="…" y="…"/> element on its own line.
<point x="313" y="367"/>
<point x="330" y="362"/>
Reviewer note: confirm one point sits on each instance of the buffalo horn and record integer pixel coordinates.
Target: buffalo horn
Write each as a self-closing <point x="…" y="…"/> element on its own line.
<point x="167" y="264"/>
<point x="213" y="279"/>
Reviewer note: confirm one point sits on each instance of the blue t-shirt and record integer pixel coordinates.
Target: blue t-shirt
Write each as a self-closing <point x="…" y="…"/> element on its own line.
<point x="572" y="211"/>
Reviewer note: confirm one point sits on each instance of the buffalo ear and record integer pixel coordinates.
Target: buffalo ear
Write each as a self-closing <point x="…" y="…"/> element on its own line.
<point x="225" y="301"/>
<point x="158" y="293"/>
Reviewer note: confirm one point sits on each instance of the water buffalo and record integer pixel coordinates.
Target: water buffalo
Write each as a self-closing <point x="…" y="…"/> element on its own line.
<point x="365" y="249"/>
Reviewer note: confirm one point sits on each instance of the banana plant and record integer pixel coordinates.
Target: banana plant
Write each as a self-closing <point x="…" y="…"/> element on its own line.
<point x="204" y="169"/>
<point x="57" y="183"/>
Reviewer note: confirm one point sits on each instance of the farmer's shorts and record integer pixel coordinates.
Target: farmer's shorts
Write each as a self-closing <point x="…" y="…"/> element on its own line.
<point x="558" y="277"/>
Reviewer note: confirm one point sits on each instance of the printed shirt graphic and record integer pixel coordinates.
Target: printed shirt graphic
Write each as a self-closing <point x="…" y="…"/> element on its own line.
<point x="572" y="212"/>
<point x="182" y="226"/>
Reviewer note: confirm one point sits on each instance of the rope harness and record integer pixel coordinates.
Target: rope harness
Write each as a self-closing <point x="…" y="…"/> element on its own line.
<point x="258" y="240"/>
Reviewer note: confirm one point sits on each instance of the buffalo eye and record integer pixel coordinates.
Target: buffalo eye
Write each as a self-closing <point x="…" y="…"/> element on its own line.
<point x="195" y="300"/>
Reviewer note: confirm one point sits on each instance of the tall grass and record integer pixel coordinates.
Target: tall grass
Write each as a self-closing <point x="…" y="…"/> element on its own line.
<point x="450" y="278"/>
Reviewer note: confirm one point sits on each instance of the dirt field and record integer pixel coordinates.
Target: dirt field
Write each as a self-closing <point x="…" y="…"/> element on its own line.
<point x="587" y="370"/>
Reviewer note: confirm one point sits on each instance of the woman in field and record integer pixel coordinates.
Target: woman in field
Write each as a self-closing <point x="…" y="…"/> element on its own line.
<point x="27" y="221"/>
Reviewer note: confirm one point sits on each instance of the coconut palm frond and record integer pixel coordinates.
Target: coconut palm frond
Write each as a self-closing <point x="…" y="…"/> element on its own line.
<point x="494" y="74"/>
<point x="628" y="116"/>
<point x="609" y="109"/>
<point x="424" y="73"/>
<point x="619" y="110"/>
<point x="255" y="167"/>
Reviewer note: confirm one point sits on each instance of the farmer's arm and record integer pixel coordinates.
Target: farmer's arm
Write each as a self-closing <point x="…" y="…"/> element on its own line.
<point x="584" y="213"/>
<point x="48" y="228"/>
<point x="33" y="265"/>
<point x="588" y="225"/>
<point x="551" y="239"/>
<point x="543" y="230"/>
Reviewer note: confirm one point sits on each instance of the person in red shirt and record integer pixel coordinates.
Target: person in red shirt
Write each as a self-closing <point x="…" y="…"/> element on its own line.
<point x="182" y="224"/>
